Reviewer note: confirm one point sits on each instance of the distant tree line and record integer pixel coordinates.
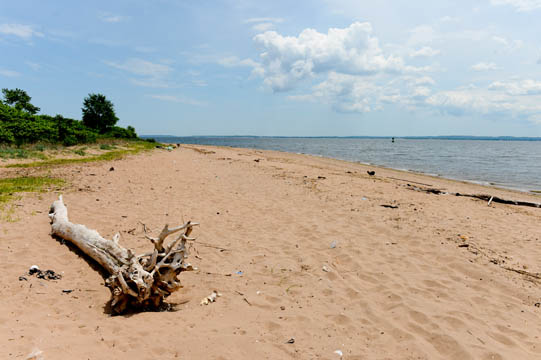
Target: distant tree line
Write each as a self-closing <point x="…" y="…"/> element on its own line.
<point x="20" y="123"/>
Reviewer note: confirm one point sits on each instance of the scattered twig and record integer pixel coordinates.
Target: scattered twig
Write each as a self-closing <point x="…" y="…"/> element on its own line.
<point x="500" y="200"/>
<point x="243" y="298"/>
<point x="211" y="273"/>
<point x="213" y="246"/>
<point x="426" y="190"/>
<point x="522" y="272"/>
<point x="200" y="150"/>
<point x="144" y="226"/>
<point x="489" y="198"/>
<point x="389" y="206"/>
<point x="415" y="182"/>
<point x="472" y="247"/>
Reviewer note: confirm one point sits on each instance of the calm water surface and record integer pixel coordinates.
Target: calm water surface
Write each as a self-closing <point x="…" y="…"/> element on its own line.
<point x="511" y="164"/>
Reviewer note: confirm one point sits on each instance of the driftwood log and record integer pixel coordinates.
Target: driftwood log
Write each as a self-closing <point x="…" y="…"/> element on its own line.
<point x="485" y="197"/>
<point x="136" y="281"/>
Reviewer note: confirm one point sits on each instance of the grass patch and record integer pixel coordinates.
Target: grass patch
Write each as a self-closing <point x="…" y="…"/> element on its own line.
<point x="107" y="147"/>
<point x="133" y="148"/>
<point x="13" y="153"/>
<point x="20" y="153"/>
<point x="29" y="151"/>
<point x="79" y="152"/>
<point x="10" y="186"/>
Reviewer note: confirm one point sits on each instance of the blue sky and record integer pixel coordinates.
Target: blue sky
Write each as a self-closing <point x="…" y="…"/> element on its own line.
<point x="320" y="67"/>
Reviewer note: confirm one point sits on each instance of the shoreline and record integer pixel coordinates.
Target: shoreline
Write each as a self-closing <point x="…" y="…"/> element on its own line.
<point x="484" y="184"/>
<point x="525" y="188"/>
<point x="305" y="247"/>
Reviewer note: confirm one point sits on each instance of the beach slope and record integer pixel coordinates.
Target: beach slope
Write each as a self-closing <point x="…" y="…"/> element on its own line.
<point x="313" y="257"/>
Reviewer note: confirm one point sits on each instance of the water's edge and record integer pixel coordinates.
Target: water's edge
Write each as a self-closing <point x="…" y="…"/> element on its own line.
<point x="514" y="165"/>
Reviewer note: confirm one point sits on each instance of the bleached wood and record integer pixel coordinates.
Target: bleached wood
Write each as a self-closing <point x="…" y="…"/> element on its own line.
<point x="140" y="281"/>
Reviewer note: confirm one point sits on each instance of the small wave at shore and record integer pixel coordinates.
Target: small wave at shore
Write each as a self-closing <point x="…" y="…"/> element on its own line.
<point x="508" y="164"/>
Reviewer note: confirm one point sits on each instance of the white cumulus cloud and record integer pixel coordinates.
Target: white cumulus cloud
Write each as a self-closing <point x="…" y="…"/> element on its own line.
<point x="34" y="66"/>
<point x="508" y="45"/>
<point x="423" y="80"/>
<point x="261" y="24"/>
<point x="23" y="31"/>
<point x="520" y="5"/>
<point x="263" y="19"/>
<point x="110" y="18"/>
<point x="286" y="60"/>
<point x="517" y="87"/>
<point x="231" y="61"/>
<point x="141" y="67"/>
<point x="496" y="101"/>
<point x="425" y="51"/>
<point x="484" y="66"/>
<point x="150" y="74"/>
<point x="346" y="93"/>
<point x="8" y="73"/>
<point x="261" y="27"/>
<point x="179" y="99"/>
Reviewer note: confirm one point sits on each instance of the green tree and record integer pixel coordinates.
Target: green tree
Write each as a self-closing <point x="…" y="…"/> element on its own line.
<point x="98" y="113"/>
<point x="20" y="100"/>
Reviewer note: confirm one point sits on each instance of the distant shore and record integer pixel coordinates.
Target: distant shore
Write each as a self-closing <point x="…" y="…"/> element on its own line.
<point x="170" y="138"/>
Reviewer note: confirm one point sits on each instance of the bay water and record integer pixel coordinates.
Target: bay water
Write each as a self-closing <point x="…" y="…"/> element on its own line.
<point x="509" y="164"/>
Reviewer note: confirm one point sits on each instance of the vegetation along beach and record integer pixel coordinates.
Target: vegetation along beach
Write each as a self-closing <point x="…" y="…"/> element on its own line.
<point x="270" y="180"/>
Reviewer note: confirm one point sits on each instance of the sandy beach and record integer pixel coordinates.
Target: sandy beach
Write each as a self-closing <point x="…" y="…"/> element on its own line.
<point x="309" y="263"/>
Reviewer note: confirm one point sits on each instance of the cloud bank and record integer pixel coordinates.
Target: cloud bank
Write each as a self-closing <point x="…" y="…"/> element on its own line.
<point x="287" y="60"/>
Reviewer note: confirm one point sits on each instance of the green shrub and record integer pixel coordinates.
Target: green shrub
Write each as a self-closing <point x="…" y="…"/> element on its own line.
<point x="120" y="133"/>
<point x="107" y="147"/>
<point x="12" y="153"/>
<point x="19" y="125"/>
<point x="39" y="147"/>
<point x="6" y="136"/>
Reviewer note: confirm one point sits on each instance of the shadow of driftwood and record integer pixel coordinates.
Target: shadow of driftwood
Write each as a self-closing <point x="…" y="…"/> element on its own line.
<point x="107" y="307"/>
<point x="91" y="262"/>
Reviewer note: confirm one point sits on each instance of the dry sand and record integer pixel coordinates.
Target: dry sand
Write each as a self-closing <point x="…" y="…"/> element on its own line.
<point x="398" y="285"/>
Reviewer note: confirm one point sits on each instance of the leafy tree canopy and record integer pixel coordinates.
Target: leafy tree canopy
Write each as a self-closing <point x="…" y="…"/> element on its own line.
<point x="98" y="113"/>
<point x="20" y="125"/>
<point x="20" y="100"/>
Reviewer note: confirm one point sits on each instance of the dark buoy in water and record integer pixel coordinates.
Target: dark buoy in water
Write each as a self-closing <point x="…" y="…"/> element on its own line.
<point x="392" y="139"/>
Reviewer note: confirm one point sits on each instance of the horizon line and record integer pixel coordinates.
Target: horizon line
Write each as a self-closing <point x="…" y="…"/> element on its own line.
<point x="479" y="137"/>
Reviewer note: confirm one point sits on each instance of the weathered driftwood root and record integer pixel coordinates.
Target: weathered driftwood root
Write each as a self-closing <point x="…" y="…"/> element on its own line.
<point x="141" y="281"/>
